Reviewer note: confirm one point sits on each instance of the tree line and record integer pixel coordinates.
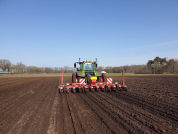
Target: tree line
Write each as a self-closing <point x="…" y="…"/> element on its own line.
<point x="156" y="66"/>
<point x="6" y="65"/>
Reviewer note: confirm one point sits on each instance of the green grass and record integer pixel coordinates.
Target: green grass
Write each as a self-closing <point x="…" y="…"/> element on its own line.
<point x="120" y="74"/>
<point x="67" y="74"/>
<point x="132" y="74"/>
<point x="126" y="74"/>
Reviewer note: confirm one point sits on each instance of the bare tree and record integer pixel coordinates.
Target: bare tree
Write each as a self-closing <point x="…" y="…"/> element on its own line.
<point x="172" y="65"/>
<point x="5" y="64"/>
<point x="108" y="69"/>
<point x="66" y="68"/>
<point x="100" y="68"/>
<point x="34" y="69"/>
<point x="12" y="68"/>
<point x="56" y="70"/>
<point x="20" y="67"/>
<point x="48" y="70"/>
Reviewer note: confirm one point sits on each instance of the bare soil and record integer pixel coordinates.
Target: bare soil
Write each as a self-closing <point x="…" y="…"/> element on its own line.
<point x="34" y="105"/>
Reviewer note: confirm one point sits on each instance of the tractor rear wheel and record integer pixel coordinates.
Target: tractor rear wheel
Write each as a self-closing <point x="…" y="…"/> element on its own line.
<point x="99" y="79"/>
<point x="104" y="77"/>
<point x="73" y="78"/>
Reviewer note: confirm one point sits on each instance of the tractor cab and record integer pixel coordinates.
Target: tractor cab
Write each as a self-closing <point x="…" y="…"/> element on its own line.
<point x="86" y="67"/>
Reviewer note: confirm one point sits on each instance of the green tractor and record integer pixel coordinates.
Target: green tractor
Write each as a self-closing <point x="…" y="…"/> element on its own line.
<point x="86" y="71"/>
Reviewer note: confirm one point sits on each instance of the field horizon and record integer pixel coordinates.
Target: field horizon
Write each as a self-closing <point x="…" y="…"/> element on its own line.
<point x="70" y="74"/>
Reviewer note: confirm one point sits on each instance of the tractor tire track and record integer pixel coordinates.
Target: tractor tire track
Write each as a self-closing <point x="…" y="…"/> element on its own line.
<point x="76" y="123"/>
<point x="144" y="104"/>
<point x="144" y="120"/>
<point x="169" y="107"/>
<point x="89" y="121"/>
<point x="109" y="119"/>
<point x="59" y="115"/>
<point x="92" y="122"/>
<point x="68" y="127"/>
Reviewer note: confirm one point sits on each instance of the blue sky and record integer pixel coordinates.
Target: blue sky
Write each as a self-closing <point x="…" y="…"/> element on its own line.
<point x="55" y="33"/>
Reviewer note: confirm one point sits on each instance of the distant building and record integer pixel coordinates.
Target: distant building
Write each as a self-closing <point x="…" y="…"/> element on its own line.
<point x="6" y="72"/>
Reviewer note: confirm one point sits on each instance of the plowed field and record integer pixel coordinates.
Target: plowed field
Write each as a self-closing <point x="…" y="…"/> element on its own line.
<point x="33" y="105"/>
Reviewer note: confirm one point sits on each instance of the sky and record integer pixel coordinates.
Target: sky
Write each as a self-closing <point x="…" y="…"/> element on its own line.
<point x="55" y="33"/>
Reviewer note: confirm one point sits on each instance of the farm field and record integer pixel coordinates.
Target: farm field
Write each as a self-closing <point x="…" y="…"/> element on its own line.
<point x="34" y="105"/>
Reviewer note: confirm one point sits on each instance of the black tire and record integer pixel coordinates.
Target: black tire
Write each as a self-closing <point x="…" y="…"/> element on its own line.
<point x="83" y="89"/>
<point x="104" y="78"/>
<point x="73" y="78"/>
<point x="64" y="90"/>
<point x="106" y="89"/>
<point x="117" y="88"/>
<point x="124" y="89"/>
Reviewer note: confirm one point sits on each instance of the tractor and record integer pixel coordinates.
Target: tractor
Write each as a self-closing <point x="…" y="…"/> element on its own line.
<point x="87" y="78"/>
<point x="86" y="71"/>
